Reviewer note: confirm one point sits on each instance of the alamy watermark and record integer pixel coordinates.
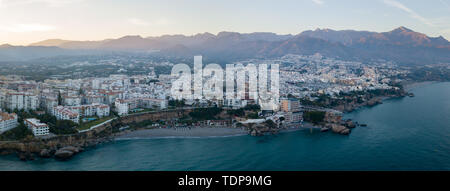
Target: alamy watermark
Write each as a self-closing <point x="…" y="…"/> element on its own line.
<point x="251" y="82"/>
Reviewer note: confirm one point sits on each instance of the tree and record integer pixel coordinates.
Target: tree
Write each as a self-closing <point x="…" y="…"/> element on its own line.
<point x="314" y="116"/>
<point x="64" y="127"/>
<point x="47" y="118"/>
<point x="177" y="103"/>
<point x="253" y="115"/>
<point x="205" y="113"/>
<point x="59" y="98"/>
<point x="236" y="112"/>
<point x="17" y="133"/>
<point x="270" y="124"/>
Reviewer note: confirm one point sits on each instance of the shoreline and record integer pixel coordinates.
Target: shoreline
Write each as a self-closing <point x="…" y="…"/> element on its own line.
<point x="415" y="84"/>
<point x="407" y="87"/>
<point x="196" y="132"/>
<point x="64" y="147"/>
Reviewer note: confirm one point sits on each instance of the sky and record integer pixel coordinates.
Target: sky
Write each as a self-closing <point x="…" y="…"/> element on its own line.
<point x="26" y="21"/>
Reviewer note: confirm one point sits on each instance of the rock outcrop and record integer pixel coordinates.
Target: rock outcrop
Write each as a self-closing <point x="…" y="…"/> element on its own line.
<point x="66" y="152"/>
<point x="340" y="129"/>
<point x="349" y="123"/>
<point x="63" y="154"/>
<point x="45" y="153"/>
<point x="61" y="147"/>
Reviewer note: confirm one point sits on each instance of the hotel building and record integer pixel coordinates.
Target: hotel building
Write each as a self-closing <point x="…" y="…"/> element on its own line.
<point x="63" y="113"/>
<point x="37" y="127"/>
<point x="7" y="121"/>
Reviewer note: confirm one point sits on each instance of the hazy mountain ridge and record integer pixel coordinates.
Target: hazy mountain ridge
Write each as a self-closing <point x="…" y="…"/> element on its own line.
<point x="398" y="36"/>
<point x="402" y="45"/>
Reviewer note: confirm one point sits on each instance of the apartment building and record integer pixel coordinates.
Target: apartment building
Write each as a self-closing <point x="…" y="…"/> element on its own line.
<point x="124" y="105"/>
<point x="63" y="113"/>
<point x="121" y="107"/>
<point x="38" y="128"/>
<point x="7" y="121"/>
<point x="21" y="100"/>
<point x="97" y="109"/>
<point x="72" y="100"/>
<point x="290" y="105"/>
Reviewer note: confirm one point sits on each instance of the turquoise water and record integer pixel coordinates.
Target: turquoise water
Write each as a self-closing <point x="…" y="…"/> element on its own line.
<point x="402" y="134"/>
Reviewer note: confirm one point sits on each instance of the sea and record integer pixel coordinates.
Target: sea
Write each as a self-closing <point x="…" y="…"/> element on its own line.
<point x="410" y="133"/>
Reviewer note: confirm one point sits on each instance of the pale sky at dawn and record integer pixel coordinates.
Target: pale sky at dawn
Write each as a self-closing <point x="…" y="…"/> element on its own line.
<point x="26" y="21"/>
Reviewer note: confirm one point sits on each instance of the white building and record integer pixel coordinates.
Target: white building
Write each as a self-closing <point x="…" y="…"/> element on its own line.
<point x="121" y="107"/>
<point x="90" y="99"/>
<point x="100" y="110"/>
<point x="72" y="100"/>
<point x="7" y="121"/>
<point x="63" y="113"/>
<point x="235" y="103"/>
<point x="151" y="103"/>
<point x="50" y="103"/>
<point x="37" y="127"/>
<point x="293" y="117"/>
<point x="124" y="105"/>
<point x="21" y="100"/>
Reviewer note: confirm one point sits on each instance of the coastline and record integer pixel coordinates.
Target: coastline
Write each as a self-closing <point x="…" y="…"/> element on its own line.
<point x="318" y="148"/>
<point x="415" y="84"/>
<point x="407" y="87"/>
<point x="64" y="147"/>
<point x="197" y="132"/>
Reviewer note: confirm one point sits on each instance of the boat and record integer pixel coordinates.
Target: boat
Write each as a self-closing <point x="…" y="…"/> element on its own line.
<point x="324" y="129"/>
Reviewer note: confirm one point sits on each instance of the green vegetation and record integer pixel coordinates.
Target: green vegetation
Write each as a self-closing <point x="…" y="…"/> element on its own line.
<point x="47" y="118"/>
<point x="314" y="117"/>
<point x="241" y="111"/>
<point x="176" y="103"/>
<point x="18" y="133"/>
<point x="270" y="124"/>
<point x="253" y="115"/>
<point x="325" y="100"/>
<point x="142" y="124"/>
<point x="236" y="112"/>
<point x="63" y="127"/>
<point x="153" y="81"/>
<point x="252" y="107"/>
<point x="435" y="73"/>
<point x="60" y="100"/>
<point x="87" y="125"/>
<point x="141" y="110"/>
<point x="205" y="113"/>
<point x="57" y="127"/>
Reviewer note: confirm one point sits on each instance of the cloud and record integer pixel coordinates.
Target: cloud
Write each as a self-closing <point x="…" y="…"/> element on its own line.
<point x="21" y="28"/>
<point x="50" y="3"/>
<point x="411" y="13"/>
<point x="445" y="4"/>
<point x="140" y="22"/>
<point x="319" y="2"/>
<point x="445" y="31"/>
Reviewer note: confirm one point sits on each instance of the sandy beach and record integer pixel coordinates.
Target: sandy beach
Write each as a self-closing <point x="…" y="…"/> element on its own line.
<point x="196" y="132"/>
<point x="182" y="133"/>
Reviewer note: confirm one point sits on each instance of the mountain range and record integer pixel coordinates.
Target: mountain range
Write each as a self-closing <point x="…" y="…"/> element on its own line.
<point x="402" y="45"/>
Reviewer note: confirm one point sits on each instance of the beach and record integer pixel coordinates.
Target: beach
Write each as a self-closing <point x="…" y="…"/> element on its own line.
<point x="195" y="132"/>
<point x="183" y="132"/>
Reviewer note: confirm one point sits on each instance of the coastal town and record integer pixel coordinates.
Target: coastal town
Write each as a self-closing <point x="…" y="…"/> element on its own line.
<point x="314" y="91"/>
